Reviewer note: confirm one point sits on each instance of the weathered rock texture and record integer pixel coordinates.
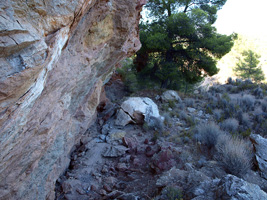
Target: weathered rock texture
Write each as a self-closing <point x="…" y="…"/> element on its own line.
<point x="137" y="110"/>
<point x="260" y="146"/>
<point x="55" y="56"/>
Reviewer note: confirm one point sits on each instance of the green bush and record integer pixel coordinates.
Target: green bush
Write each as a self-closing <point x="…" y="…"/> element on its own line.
<point x="173" y="193"/>
<point x="245" y="133"/>
<point x="128" y="74"/>
<point x="226" y="97"/>
<point x="171" y="104"/>
<point x="264" y="127"/>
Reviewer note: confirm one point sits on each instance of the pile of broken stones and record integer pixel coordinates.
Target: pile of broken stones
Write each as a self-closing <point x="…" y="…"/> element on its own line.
<point x="119" y="159"/>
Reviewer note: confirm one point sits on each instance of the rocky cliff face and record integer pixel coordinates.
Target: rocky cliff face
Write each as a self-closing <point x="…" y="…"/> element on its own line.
<point x="55" y="56"/>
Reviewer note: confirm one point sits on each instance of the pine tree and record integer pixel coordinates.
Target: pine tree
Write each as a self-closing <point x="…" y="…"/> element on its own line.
<point x="248" y="67"/>
<point x="180" y="45"/>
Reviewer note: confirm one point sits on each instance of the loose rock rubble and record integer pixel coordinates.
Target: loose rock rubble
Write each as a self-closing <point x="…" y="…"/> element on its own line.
<point x="140" y="161"/>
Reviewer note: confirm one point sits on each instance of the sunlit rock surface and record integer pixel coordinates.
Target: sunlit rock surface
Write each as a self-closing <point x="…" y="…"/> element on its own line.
<point x="55" y="56"/>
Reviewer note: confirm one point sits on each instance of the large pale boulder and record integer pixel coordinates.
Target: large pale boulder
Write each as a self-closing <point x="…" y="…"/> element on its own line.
<point x="55" y="56"/>
<point x="260" y="146"/>
<point x="137" y="110"/>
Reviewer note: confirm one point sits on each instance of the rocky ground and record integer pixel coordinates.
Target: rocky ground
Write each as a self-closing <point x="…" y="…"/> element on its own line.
<point x="173" y="158"/>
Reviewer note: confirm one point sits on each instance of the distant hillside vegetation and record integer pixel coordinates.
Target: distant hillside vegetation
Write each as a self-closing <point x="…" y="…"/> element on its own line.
<point x="229" y="61"/>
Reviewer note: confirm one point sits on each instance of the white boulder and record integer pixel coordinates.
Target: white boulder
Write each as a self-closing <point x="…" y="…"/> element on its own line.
<point x="137" y="110"/>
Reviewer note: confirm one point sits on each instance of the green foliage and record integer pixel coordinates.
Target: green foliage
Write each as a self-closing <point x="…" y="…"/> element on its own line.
<point x="264" y="127"/>
<point x="248" y="68"/>
<point x="173" y="193"/>
<point x="128" y="74"/>
<point x="226" y="97"/>
<point x="208" y="109"/>
<point x="191" y="121"/>
<point x="242" y="43"/>
<point x="171" y="104"/>
<point x="246" y="133"/>
<point x="180" y="45"/>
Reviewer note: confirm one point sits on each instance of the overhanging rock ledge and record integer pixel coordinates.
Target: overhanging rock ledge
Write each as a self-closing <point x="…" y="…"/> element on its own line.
<point x="54" y="58"/>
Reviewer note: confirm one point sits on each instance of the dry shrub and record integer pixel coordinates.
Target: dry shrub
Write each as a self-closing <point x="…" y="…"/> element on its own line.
<point x="247" y="102"/>
<point x="230" y="125"/>
<point x="208" y="134"/>
<point x="234" y="154"/>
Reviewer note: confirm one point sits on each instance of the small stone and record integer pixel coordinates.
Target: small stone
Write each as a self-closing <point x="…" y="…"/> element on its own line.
<point x="130" y="142"/>
<point x="97" y="140"/>
<point x="115" y="151"/>
<point x="116" y="134"/>
<point x="125" y="159"/>
<point x="85" y="140"/>
<point x="67" y="186"/>
<point x="93" y="188"/>
<point x="121" y="185"/>
<point x="111" y="181"/>
<point x="81" y="154"/>
<point x="170" y="95"/>
<point x="80" y="191"/>
<point x="128" y="196"/>
<point x="101" y="122"/>
<point x="191" y="110"/>
<point x="102" y="137"/>
<point x="200" y="113"/>
<point x="186" y="139"/>
<point x="189" y="166"/>
<point x="122" y="118"/>
<point x="102" y="192"/>
<point x="163" y="160"/>
<point x="132" y="157"/>
<point x="104" y="169"/>
<point x="105" y="129"/>
<point x="146" y="141"/>
<point x="136" y="162"/>
<point x="107" y="188"/>
<point x="121" y="167"/>
<point x="114" y="194"/>
<point x="112" y="169"/>
<point x="149" y="151"/>
<point x="148" y="148"/>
